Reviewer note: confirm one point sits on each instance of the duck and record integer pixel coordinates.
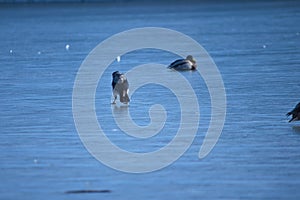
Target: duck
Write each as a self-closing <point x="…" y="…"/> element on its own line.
<point x="189" y="63"/>
<point x="295" y="113"/>
<point x="120" y="87"/>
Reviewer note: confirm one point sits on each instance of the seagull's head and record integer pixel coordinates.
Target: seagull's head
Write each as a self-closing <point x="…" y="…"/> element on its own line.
<point x="190" y="58"/>
<point x="115" y="73"/>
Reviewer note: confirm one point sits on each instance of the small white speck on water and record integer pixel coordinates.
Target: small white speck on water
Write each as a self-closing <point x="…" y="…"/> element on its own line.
<point x="67" y="47"/>
<point x="118" y="58"/>
<point x="114" y="129"/>
<point x="11" y="51"/>
<point x="35" y="161"/>
<point x="264" y="46"/>
<point x="39" y="53"/>
<point x="87" y="183"/>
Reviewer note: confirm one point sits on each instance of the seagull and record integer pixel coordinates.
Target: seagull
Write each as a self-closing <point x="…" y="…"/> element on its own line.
<point x="295" y="112"/>
<point x="120" y="87"/>
<point x="184" y="64"/>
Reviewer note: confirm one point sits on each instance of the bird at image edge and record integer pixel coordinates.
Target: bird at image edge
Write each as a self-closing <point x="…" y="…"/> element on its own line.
<point x="295" y="113"/>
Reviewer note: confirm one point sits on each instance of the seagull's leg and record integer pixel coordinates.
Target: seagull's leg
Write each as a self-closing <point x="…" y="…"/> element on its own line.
<point x="114" y="94"/>
<point x="115" y="98"/>
<point x="114" y="102"/>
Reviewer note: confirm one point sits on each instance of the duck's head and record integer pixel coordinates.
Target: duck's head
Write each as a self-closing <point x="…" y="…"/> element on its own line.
<point x="190" y="58"/>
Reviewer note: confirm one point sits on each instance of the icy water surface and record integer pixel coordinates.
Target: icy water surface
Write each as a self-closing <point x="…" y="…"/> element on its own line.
<point x="256" y="48"/>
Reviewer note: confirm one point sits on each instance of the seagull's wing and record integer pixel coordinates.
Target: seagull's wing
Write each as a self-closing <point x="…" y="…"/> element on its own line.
<point x="116" y="78"/>
<point x="181" y="65"/>
<point x="113" y="84"/>
<point x="176" y="63"/>
<point x="296" y="110"/>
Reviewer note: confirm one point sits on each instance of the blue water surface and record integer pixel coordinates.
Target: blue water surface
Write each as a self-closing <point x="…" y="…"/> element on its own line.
<point x="256" y="48"/>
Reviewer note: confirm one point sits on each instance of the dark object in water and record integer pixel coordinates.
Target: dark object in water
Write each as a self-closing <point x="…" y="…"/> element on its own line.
<point x="120" y="87"/>
<point x="184" y="64"/>
<point x="86" y="191"/>
<point x="295" y="113"/>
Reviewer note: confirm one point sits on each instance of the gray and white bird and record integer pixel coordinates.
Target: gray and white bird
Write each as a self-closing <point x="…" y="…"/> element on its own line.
<point x="120" y="87"/>
<point x="184" y="64"/>
<point x="295" y="113"/>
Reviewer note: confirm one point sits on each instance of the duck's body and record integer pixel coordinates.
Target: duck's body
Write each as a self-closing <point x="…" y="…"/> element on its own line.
<point x="184" y="64"/>
<point x="120" y="87"/>
<point x="295" y="113"/>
